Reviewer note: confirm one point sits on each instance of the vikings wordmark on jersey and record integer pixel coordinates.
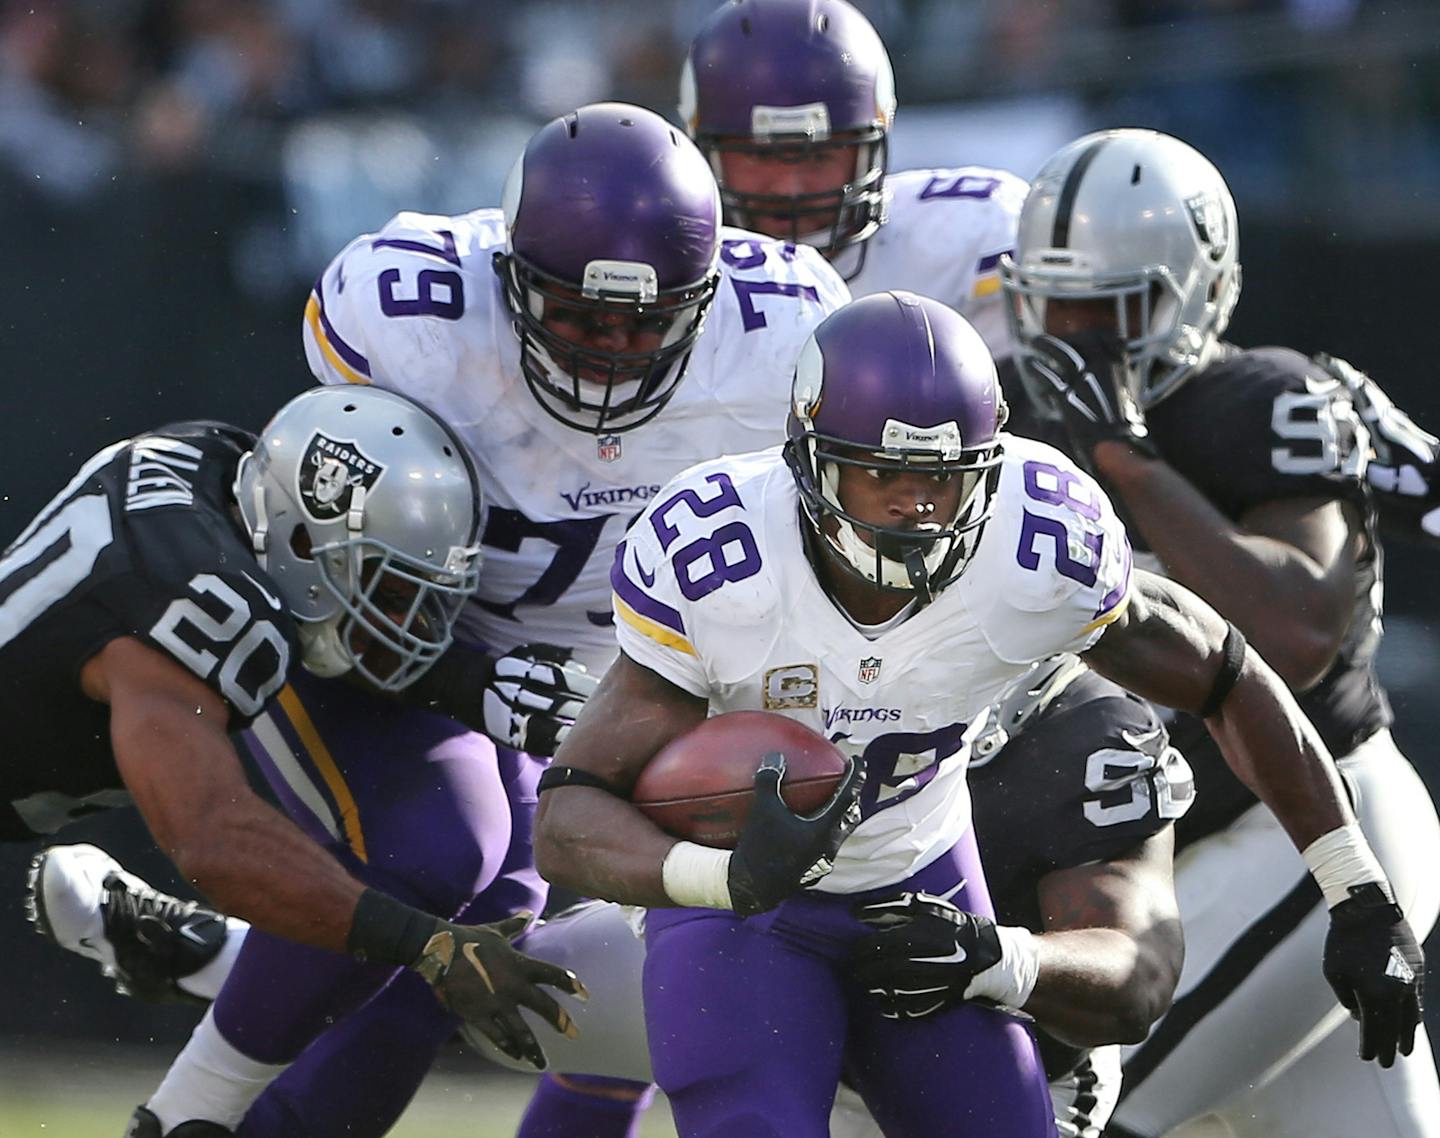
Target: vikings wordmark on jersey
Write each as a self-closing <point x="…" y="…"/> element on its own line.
<point x="1051" y="570"/>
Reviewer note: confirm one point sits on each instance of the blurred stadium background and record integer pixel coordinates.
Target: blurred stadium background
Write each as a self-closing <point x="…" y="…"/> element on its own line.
<point x="173" y="173"/>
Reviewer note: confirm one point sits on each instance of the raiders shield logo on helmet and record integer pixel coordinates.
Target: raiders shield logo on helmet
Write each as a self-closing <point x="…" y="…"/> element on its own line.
<point x="329" y="472"/>
<point x="1207" y="212"/>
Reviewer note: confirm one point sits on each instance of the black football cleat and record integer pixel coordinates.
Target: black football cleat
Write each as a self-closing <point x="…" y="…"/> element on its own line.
<point x="143" y="1124"/>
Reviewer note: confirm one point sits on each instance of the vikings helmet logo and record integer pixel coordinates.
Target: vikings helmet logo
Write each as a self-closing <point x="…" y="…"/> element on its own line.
<point x="330" y="470"/>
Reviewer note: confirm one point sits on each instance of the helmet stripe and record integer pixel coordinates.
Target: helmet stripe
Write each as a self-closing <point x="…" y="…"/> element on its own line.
<point x="1060" y="236"/>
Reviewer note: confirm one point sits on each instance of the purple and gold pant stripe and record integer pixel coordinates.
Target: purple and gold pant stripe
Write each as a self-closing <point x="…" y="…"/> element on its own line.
<point x="299" y="765"/>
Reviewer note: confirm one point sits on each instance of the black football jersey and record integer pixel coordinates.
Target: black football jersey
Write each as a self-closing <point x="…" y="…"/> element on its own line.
<point x="141" y="543"/>
<point x="1087" y="780"/>
<point x="1257" y="426"/>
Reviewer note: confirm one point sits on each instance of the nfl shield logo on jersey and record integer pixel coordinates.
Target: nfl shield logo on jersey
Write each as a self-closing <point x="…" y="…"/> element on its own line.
<point x="329" y="473"/>
<point x="607" y="447"/>
<point x="869" y="669"/>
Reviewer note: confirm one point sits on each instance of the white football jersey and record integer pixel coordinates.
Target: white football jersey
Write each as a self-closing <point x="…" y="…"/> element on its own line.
<point x="714" y="592"/>
<point x="943" y="236"/>
<point x="418" y="307"/>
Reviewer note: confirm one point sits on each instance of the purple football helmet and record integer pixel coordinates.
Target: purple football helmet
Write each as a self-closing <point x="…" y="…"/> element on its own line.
<point x="786" y="79"/>
<point x="896" y="381"/>
<point x="613" y="220"/>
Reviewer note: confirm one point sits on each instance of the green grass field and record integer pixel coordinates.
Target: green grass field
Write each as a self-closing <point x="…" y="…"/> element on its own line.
<point x="91" y="1095"/>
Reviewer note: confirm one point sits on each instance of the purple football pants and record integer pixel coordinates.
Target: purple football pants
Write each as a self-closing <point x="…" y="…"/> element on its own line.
<point x="752" y="1023"/>
<point x="425" y="810"/>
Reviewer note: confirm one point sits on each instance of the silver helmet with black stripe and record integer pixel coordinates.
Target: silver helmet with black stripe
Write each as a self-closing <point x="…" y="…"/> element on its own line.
<point x="1141" y="219"/>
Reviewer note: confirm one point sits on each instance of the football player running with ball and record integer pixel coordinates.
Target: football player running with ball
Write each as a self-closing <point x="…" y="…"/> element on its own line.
<point x="900" y="552"/>
<point x="1076" y="790"/>
<point x="1243" y="472"/>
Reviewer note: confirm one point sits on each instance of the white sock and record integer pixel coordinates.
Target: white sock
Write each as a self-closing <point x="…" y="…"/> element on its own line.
<point x="210" y="1080"/>
<point x="207" y="980"/>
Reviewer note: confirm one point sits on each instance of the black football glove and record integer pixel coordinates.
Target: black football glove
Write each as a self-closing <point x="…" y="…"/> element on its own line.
<point x="1377" y="970"/>
<point x="533" y="697"/>
<point x="1085" y="381"/>
<point x="483" y="979"/>
<point x="781" y="852"/>
<point x="924" y="956"/>
<point x="1404" y="466"/>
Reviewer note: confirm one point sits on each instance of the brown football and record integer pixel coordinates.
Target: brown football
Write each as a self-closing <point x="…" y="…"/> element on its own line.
<point x="700" y="786"/>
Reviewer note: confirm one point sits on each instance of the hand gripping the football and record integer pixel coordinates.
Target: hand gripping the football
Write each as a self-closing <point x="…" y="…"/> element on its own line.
<point x="780" y="852"/>
<point x="927" y="955"/>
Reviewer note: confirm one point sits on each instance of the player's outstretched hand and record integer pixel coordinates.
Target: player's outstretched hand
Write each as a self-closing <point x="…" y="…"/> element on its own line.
<point x="1376" y="967"/>
<point x="1086" y="382"/>
<point x="924" y="954"/>
<point x="533" y="697"/>
<point x="480" y="976"/>
<point x="780" y="852"/>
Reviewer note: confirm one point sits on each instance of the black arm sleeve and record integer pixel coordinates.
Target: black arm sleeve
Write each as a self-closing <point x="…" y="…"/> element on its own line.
<point x="454" y="686"/>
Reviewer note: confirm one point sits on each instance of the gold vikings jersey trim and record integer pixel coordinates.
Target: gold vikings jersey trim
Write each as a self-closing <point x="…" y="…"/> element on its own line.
<point x="312" y="318"/>
<point x="657" y="632"/>
<point x="1109" y="617"/>
<point x="329" y="771"/>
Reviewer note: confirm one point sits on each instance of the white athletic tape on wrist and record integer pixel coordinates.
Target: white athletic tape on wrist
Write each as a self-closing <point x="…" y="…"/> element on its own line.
<point x="1010" y="981"/>
<point x="1343" y="858"/>
<point x="697" y="877"/>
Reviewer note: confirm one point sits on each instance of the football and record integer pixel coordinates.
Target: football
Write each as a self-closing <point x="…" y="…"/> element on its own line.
<point x="700" y="786"/>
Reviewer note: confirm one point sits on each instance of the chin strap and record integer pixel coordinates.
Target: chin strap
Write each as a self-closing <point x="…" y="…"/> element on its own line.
<point x="919" y="574"/>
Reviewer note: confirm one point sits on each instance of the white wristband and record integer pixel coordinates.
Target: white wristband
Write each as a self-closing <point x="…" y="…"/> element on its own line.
<point x="1343" y="858"/>
<point x="697" y="877"/>
<point x="1011" y="981"/>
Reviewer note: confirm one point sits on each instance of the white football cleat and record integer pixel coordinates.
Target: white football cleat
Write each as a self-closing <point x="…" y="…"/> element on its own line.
<point x="146" y="941"/>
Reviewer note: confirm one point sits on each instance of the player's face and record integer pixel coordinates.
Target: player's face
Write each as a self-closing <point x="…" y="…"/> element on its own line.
<point x="790" y="172"/>
<point x="392" y="599"/>
<point x="907" y="500"/>
<point x="1068" y="316"/>
<point x="590" y="328"/>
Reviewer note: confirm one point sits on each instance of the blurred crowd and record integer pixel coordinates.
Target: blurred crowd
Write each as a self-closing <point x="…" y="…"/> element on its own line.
<point x="90" y="88"/>
<point x="321" y="117"/>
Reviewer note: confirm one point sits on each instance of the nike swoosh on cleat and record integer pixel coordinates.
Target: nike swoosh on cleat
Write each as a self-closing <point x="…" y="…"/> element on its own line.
<point x="188" y="930"/>
<point x="959" y="956"/>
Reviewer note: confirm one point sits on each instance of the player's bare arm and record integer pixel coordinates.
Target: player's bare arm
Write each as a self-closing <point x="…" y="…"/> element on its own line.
<point x="170" y="745"/>
<point x="1284" y="573"/>
<point x="588" y="839"/>
<point x="1169" y="646"/>
<point x="1112" y="948"/>
<point x="168" y="729"/>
